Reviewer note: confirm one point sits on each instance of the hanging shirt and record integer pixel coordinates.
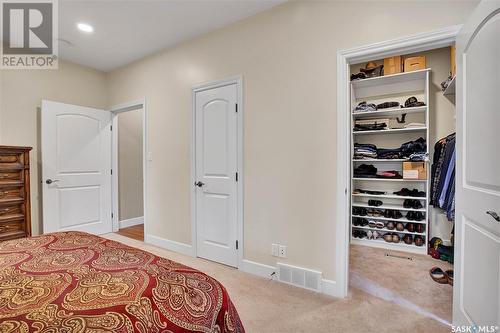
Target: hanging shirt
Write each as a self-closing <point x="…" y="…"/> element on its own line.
<point x="450" y="172"/>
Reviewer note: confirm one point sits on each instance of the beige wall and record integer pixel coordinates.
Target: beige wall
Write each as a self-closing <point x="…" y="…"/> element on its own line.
<point x="130" y="160"/>
<point x="287" y="57"/>
<point x="22" y="92"/>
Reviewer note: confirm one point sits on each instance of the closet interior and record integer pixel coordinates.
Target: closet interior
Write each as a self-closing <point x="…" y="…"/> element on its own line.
<point x="402" y="125"/>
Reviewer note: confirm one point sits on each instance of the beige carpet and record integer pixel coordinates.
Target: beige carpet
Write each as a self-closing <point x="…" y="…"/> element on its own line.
<point x="271" y="306"/>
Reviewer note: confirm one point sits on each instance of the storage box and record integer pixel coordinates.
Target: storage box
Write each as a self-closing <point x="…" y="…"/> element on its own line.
<point x="393" y="65"/>
<point x="414" y="63"/>
<point x="415" y="170"/>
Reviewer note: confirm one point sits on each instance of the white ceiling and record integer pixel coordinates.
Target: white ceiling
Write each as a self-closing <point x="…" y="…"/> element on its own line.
<point x="125" y="31"/>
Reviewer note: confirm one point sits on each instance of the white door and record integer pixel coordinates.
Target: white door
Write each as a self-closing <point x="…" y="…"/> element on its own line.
<point x="477" y="230"/>
<point x="76" y="168"/>
<point x="215" y="173"/>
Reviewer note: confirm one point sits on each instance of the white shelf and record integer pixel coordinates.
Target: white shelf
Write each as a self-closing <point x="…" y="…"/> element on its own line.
<point x="391" y="84"/>
<point x="393" y="112"/>
<point x="385" y="160"/>
<point x="387" y="196"/>
<point x="381" y="218"/>
<point x="391" y="231"/>
<point x="384" y="88"/>
<point x="391" y="180"/>
<point x="381" y="243"/>
<point x="450" y="90"/>
<point x="392" y="131"/>
<point x="380" y="160"/>
<point x="393" y="207"/>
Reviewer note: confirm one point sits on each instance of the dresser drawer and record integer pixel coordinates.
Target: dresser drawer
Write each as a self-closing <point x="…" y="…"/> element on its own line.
<point x="12" y="226"/>
<point x="6" y="176"/>
<point x="10" y="195"/>
<point x="11" y="161"/>
<point x="11" y="212"/>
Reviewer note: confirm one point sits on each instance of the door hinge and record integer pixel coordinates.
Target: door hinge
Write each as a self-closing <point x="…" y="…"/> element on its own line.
<point x="111" y="171"/>
<point x="110" y="127"/>
<point x="236" y="245"/>
<point x="236" y="108"/>
<point x="112" y="215"/>
<point x="236" y="176"/>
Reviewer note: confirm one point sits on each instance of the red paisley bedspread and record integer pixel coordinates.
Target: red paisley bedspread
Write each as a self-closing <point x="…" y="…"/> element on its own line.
<point x="77" y="282"/>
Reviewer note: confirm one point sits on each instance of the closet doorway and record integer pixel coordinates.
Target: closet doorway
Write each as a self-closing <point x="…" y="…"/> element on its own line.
<point x="129" y="169"/>
<point x="388" y="124"/>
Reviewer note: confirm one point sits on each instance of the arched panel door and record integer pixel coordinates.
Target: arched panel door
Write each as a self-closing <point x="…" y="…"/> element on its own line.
<point x="476" y="300"/>
<point x="76" y="168"/>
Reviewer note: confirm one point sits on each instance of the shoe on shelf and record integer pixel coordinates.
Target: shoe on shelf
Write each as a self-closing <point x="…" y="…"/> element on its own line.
<point x="418" y="216"/>
<point x="408" y="239"/>
<point x="375" y="203"/>
<point x="419" y="241"/>
<point x="420" y="228"/>
<point x="396" y="238"/>
<point x="410" y="227"/>
<point x="417" y="204"/>
<point x="410" y="216"/>
<point x="400" y="226"/>
<point x="380" y="225"/>
<point x="404" y="192"/>
<point x="372" y="224"/>
<point x="397" y="215"/>
<point x="390" y="225"/>
<point x="388" y="237"/>
<point x="369" y="234"/>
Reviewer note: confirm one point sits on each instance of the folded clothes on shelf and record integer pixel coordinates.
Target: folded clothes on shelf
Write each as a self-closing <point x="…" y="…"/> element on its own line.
<point x="387" y="105"/>
<point x="370" y="127"/>
<point x="364" y="150"/>
<point x="417" y="157"/>
<point x="364" y="107"/>
<point x="389" y="174"/>
<point x="412" y="102"/>
<point x="413" y="147"/>
<point x="365" y="171"/>
<point x="388" y="153"/>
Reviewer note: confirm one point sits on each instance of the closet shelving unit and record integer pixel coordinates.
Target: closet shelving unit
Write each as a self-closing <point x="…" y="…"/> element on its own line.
<point x="397" y="87"/>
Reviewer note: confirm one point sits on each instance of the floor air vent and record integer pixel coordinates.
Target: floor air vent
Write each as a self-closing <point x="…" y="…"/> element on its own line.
<point x="300" y="277"/>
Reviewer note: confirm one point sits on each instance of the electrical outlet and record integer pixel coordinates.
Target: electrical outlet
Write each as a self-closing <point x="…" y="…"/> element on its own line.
<point x="274" y="250"/>
<point x="282" y="251"/>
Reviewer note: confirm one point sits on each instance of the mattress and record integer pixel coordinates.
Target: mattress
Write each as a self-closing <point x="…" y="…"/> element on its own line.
<point x="78" y="282"/>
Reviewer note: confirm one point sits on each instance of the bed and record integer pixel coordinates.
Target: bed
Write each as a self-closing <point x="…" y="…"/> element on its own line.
<point x="78" y="282"/>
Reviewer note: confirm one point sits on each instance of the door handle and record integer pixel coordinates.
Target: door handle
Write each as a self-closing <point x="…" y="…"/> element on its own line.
<point x="50" y="181"/>
<point x="199" y="184"/>
<point x="493" y="215"/>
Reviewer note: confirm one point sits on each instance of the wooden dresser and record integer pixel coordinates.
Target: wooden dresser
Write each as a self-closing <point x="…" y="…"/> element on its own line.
<point x="15" y="209"/>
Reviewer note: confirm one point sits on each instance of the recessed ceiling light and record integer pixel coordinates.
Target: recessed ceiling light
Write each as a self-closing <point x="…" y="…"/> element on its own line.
<point x="85" y="27"/>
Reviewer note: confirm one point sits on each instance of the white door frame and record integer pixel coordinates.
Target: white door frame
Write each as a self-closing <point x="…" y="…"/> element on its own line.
<point x="115" y="110"/>
<point x="411" y="44"/>
<point x="238" y="80"/>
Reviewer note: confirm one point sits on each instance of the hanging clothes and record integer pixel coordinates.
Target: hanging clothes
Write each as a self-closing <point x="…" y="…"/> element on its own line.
<point x="443" y="176"/>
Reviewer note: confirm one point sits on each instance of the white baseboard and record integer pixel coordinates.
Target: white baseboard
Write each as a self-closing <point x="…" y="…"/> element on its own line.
<point x="330" y="288"/>
<point x="256" y="268"/>
<point x="131" y="222"/>
<point x="170" y="245"/>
